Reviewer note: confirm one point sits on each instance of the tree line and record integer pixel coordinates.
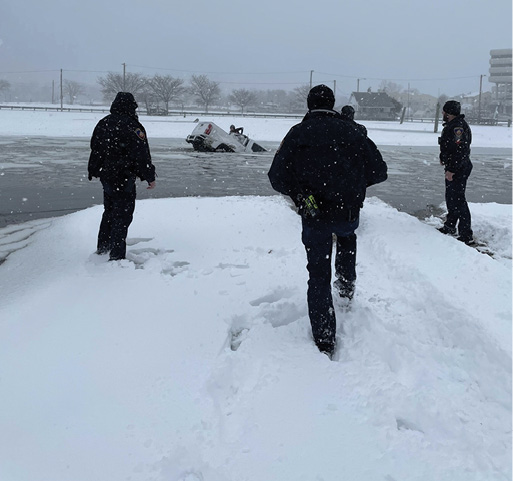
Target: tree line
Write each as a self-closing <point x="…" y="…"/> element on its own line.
<point x="167" y="89"/>
<point x="158" y="92"/>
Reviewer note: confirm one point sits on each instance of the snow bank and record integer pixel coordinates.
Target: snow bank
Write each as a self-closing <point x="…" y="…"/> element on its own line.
<point x="192" y="360"/>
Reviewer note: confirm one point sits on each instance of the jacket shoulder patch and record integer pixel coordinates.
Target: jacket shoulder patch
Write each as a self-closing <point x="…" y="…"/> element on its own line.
<point x="458" y="134"/>
<point x="140" y="134"/>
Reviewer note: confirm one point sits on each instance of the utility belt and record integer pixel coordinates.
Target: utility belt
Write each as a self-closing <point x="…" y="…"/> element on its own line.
<point x="309" y="208"/>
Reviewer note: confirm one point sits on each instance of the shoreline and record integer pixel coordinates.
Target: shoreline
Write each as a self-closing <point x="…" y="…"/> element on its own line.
<point x="81" y="124"/>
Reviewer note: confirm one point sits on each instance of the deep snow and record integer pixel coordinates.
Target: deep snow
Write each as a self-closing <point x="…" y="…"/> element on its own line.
<point x="192" y="360"/>
<point x="80" y="124"/>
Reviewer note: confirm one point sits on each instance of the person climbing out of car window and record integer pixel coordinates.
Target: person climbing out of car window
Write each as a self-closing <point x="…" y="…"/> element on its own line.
<point x="238" y="130"/>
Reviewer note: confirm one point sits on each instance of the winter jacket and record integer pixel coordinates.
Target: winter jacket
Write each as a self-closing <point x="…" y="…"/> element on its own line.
<point x="455" y="144"/>
<point x="119" y="147"/>
<point x="330" y="158"/>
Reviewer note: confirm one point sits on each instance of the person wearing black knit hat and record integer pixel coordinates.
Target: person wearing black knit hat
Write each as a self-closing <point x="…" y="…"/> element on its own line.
<point x="325" y="165"/>
<point x="452" y="107"/>
<point x="320" y="97"/>
<point x="455" y="157"/>
<point x="347" y="113"/>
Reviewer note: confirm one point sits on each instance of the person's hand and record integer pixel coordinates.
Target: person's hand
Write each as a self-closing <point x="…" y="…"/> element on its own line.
<point x="449" y="175"/>
<point x="152" y="185"/>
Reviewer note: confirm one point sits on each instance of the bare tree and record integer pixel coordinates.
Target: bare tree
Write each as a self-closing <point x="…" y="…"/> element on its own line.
<point x="4" y="86"/>
<point x="114" y="83"/>
<point x="391" y="88"/>
<point x="72" y="89"/>
<point x="442" y="99"/>
<point x="302" y="93"/>
<point x="146" y="96"/>
<point x="398" y="106"/>
<point x="242" y="98"/>
<point x="206" y="91"/>
<point x="166" y="88"/>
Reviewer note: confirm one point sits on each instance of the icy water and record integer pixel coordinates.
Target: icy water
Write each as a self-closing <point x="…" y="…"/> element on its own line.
<point x="47" y="177"/>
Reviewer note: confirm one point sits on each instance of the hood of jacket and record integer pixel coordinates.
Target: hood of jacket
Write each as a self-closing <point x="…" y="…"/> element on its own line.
<point x="124" y="104"/>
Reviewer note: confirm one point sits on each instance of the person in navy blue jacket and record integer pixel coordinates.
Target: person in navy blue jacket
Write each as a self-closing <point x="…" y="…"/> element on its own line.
<point x="455" y="157"/>
<point x="325" y="165"/>
<point x="119" y="154"/>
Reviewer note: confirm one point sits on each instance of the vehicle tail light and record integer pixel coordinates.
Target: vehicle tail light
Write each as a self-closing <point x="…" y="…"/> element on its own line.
<point x="208" y="129"/>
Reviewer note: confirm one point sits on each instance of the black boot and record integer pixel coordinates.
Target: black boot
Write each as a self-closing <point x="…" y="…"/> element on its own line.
<point x="326" y="347"/>
<point x="447" y="230"/>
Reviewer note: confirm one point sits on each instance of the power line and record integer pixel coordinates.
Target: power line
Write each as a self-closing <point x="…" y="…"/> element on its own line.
<point x="56" y="70"/>
<point x="219" y="73"/>
<point x="252" y="73"/>
<point x="400" y="79"/>
<point x="88" y="71"/>
<point x="32" y="71"/>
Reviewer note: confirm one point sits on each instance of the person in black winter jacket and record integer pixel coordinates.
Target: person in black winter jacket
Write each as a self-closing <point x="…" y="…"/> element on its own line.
<point x="119" y="154"/>
<point x="455" y="157"/>
<point x="347" y="112"/>
<point x="325" y="165"/>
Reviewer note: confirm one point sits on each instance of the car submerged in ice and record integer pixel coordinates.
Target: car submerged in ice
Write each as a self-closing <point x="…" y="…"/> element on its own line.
<point x="209" y="137"/>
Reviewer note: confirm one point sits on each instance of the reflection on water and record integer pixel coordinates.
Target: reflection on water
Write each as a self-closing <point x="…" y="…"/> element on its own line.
<point x="45" y="177"/>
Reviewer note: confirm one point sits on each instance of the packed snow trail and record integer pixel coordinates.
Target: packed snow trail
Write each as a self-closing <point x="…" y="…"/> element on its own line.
<point x="412" y="376"/>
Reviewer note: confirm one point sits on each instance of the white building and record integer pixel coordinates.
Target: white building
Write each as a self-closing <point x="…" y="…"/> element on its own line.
<point x="501" y="75"/>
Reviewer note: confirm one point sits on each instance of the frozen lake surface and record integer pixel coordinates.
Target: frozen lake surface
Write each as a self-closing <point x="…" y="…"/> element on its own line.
<point x="47" y="176"/>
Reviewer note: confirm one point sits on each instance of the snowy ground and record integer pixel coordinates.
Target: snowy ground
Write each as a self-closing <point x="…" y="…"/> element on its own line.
<point x="192" y="360"/>
<point x="81" y="124"/>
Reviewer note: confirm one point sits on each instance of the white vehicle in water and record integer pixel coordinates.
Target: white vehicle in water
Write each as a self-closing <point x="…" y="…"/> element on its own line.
<point x="209" y="137"/>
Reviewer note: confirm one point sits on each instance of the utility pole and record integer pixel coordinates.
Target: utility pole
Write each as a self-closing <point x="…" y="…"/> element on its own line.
<point x="437" y="115"/>
<point x="335" y="87"/>
<point x="311" y="74"/>
<point x="61" y="90"/>
<point x="124" y="77"/>
<point x="480" y="91"/>
<point x="409" y="111"/>
<point x="53" y="91"/>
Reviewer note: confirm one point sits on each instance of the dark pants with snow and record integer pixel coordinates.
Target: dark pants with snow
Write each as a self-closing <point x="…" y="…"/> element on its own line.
<point x="119" y="206"/>
<point x="317" y="238"/>
<point x="457" y="207"/>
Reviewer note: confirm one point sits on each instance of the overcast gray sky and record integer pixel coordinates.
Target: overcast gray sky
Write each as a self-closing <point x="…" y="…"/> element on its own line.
<point x="437" y="46"/>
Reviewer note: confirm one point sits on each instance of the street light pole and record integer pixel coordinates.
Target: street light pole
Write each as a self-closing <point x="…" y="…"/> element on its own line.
<point x="61" y="90"/>
<point x="311" y="74"/>
<point x="480" y="91"/>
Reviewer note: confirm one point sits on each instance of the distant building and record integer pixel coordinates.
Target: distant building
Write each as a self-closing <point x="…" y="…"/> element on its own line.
<point x="501" y="75"/>
<point x="374" y="106"/>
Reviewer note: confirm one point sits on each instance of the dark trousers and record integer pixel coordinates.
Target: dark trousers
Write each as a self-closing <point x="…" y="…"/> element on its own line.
<point x="457" y="207"/>
<point x="317" y="238"/>
<point x="117" y="216"/>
